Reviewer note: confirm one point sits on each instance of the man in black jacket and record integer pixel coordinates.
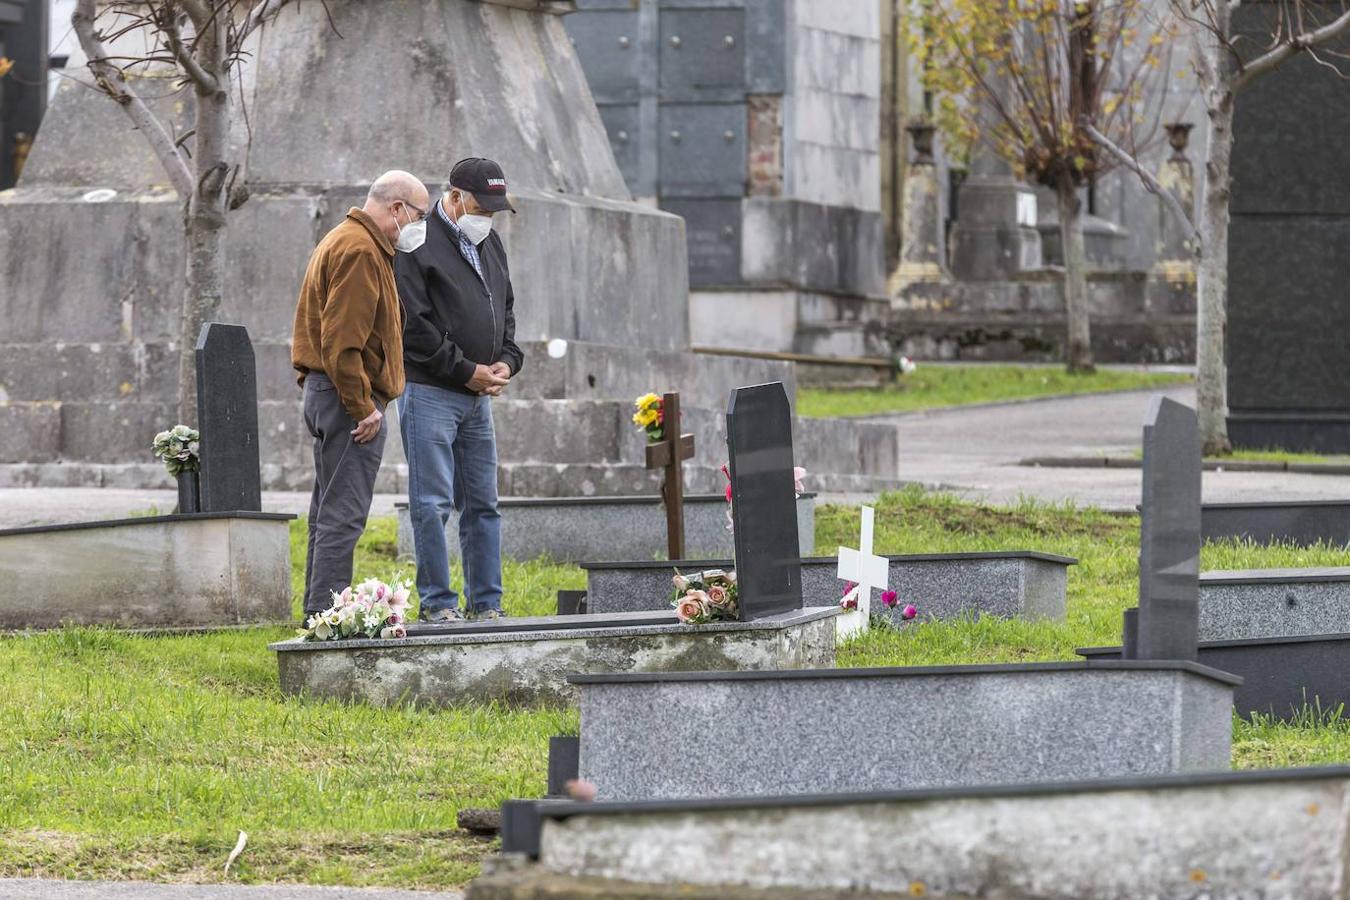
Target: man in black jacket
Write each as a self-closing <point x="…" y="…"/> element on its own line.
<point x="459" y="352"/>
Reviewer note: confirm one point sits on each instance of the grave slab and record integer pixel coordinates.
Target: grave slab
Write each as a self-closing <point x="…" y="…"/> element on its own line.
<point x="573" y="529"/>
<point x="1284" y="631"/>
<point x="181" y="571"/>
<point x="1278" y="833"/>
<point x="1302" y="522"/>
<point x="1274" y="603"/>
<point x="1281" y="676"/>
<point x="527" y="661"/>
<point x="651" y="736"/>
<point x="1013" y="584"/>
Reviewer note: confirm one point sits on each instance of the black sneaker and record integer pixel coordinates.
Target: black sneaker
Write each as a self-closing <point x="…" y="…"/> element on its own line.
<point x="442" y="617"/>
<point x="484" y="615"/>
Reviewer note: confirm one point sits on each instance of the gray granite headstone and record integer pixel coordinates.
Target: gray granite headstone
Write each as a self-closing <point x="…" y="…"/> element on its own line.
<point x="763" y="504"/>
<point x="227" y="417"/>
<point x="1167" y="623"/>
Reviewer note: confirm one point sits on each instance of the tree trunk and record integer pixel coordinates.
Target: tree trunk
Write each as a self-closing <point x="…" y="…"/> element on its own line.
<point x="1211" y="318"/>
<point x="1078" y="355"/>
<point x="204" y="218"/>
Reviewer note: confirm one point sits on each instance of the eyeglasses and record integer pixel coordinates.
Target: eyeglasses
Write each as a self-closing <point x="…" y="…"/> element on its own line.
<point x="421" y="213"/>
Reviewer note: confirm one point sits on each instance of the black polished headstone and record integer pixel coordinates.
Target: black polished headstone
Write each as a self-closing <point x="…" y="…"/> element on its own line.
<point x="1168" y="621"/>
<point x="764" y="501"/>
<point x="227" y="417"/>
<point x="564" y="763"/>
<point x="1288" y="360"/>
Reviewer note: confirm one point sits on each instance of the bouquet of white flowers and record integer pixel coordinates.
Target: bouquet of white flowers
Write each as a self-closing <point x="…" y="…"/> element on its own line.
<point x="371" y="609"/>
<point x="177" y="447"/>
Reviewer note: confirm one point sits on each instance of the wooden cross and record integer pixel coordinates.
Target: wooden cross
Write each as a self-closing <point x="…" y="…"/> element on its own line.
<point x="669" y="453"/>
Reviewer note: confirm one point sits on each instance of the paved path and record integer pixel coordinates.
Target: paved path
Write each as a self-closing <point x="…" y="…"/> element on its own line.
<point x="973" y="451"/>
<point x="976" y="451"/>
<point x="49" y="889"/>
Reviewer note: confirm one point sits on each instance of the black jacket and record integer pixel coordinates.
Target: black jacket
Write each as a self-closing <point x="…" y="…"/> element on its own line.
<point x="454" y="322"/>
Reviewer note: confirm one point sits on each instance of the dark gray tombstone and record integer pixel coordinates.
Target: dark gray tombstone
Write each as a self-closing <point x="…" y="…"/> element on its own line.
<point x="1288" y="360"/>
<point x="764" y="504"/>
<point x="1168" y="621"/>
<point x="227" y="417"/>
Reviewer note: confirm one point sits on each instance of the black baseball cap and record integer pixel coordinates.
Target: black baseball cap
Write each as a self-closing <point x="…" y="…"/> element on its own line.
<point x="484" y="179"/>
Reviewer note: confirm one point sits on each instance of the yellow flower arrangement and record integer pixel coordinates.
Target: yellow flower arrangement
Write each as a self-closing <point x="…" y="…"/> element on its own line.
<point x="649" y="416"/>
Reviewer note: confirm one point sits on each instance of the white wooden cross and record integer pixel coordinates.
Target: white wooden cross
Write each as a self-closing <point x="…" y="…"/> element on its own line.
<point x="863" y="568"/>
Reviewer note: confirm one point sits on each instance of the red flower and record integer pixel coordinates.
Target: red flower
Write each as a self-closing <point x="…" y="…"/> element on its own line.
<point x="890" y="598"/>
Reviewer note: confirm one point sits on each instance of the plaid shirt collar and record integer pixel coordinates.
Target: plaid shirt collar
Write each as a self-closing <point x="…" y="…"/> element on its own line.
<point x="466" y="247"/>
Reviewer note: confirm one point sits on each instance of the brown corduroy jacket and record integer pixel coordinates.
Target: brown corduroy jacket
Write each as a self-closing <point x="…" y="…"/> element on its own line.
<point x="348" y="322"/>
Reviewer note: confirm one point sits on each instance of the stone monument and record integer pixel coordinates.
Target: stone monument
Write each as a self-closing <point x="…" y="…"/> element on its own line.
<point x="1288" y="361"/>
<point x="496" y="78"/>
<point x="758" y="123"/>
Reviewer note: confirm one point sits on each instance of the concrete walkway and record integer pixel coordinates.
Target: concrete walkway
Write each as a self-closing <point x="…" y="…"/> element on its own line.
<point x="976" y="451"/>
<point x="973" y="451"/>
<point x="50" y="889"/>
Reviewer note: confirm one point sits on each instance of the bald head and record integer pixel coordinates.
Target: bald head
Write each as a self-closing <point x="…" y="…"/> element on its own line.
<point x="396" y="199"/>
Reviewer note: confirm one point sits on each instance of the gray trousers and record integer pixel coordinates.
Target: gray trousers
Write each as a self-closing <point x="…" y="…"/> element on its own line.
<point x="344" y="483"/>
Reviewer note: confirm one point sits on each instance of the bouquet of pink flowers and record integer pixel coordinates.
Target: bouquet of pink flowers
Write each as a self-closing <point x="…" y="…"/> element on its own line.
<point x="370" y="609"/>
<point x="705" y="597"/>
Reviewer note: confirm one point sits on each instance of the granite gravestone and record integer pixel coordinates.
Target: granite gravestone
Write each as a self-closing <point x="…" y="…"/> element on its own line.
<point x="1167" y="622"/>
<point x="227" y="416"/>
<point x="764" y="501"/>
<point x="1288" y="360"/>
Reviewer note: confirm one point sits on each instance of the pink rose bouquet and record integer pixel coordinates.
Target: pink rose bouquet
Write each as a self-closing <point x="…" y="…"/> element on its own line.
<point x="705" y="597"/>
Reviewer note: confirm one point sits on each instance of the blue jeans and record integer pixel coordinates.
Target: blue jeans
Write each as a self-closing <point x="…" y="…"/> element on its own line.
<point x="452" y="462"/>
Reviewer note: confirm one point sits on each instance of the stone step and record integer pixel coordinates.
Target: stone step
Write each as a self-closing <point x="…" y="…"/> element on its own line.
<point x="1016" y="584"/>
<point x="545" y="447"/>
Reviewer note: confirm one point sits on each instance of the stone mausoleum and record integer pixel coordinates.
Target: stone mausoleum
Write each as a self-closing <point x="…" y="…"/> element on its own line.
<point x="91" y="255"/>
<point x="758" y="123"/>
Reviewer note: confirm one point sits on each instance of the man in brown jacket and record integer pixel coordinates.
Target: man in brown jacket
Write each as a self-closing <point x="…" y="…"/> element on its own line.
<point x="348" y="350"/>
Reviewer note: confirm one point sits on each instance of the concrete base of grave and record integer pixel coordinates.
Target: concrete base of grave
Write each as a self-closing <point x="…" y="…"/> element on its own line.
<point x="1016" y="584"/>
<point x="573" y="529"/>
<point x="528" y="661"/>
<point x="1280" y="833"/>
<point x="1273" y="603"/>
<point x="1282" y="630"/>
<point x="180" y="571"/>
<point x="1302" y="522"/>
<point x="897" y="728"/>
<point x="1283" y="677"/>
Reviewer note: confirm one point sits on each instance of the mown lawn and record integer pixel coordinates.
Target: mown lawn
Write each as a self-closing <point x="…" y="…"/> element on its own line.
<point x="143" y="757"/>
<point x="932" y="386"/>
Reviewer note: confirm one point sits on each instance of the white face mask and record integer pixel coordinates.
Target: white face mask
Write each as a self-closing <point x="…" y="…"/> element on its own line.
<point x="475" y="228"/>
<point x="411" y="236"/>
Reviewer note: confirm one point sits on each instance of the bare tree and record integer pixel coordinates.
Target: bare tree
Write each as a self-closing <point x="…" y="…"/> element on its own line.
<point x="204" y="44"/>
<point x="1029" y="78"/>
<point x="1226" y="63"/>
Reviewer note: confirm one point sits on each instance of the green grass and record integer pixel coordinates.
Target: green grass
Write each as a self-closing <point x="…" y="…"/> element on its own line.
<point x="932" y="386"/>
<point x="137" y="757"/>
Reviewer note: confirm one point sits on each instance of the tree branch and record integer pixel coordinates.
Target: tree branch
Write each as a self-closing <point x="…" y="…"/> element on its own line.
<point x="113" y="82"/>
<point x="1150" y="181"/>
<point x="1308" y="40"/>
<point x="205" y="81"/>
<point x="261" y="13"/>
